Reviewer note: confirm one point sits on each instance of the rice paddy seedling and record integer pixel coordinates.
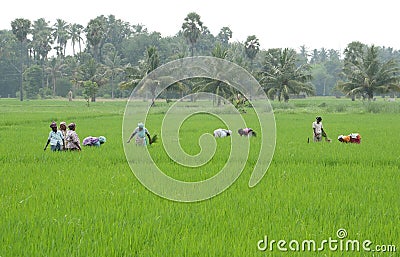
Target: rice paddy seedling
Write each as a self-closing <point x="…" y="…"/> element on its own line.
<point x="90" y="203"/>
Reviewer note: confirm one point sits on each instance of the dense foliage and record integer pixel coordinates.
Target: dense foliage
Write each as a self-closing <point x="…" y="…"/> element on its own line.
<point x="116" y="55"/>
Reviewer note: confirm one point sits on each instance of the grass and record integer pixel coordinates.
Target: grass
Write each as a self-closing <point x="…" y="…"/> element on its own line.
<point x="89" y="203"/>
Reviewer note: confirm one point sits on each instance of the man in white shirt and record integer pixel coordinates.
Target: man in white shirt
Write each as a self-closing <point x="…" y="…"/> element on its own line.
<point x="318" y="129"/>
<point x="222" y="132"/>
<point x="55" y="139"/>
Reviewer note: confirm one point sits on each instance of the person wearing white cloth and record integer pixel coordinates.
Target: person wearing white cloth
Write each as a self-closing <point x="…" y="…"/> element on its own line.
<point x="222" y="132"/>
<point x="140" y="132"/>
<point x="318" y="129"/>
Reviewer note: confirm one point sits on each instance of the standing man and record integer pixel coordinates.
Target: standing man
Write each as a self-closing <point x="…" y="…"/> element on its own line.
<point x="55" y="139"/>
<point x="318" y="129"/>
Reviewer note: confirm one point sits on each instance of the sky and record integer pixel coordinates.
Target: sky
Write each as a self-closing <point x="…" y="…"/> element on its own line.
<point x="277" y="24"/>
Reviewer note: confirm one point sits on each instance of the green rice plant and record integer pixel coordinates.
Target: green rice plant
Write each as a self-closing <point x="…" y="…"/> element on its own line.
<point x="90" y="203"/>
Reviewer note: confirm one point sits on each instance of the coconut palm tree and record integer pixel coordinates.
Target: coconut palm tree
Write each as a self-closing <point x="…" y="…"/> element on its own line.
<point x="366" y="75"/>
<point x="41" y="39"/>
<point x="281" y="76"/>
<point x="75" y="31"/>
<point x="41" y="43"/>
<point x="21" y="28"/>
<point x="61" y="35"/>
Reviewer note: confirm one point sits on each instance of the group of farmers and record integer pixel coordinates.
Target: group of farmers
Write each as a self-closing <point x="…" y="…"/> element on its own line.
<point x="61" y="139"/>
<point x="319" y="133"/>
<point x="142" y="135"/>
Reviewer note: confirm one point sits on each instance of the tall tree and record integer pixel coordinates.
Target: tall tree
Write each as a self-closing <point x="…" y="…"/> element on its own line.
<point x="315" y="57"/>
<point x="95" y="35"/>
<point x="117" y="31"/>
<point x="41" y="39"/>
<point x="75" y="31"/>
<point x="303" y="55"/>
<point x="61" y="35"/>
<point x="224" y="35"/>
<point x="21" y="28"/>
<point x="252" y="47"/>
<point x="192" y="28"/>
<point x="41" y="42"/>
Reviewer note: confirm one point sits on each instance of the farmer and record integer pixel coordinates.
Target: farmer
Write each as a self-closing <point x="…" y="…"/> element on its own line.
<point x="352" y="138"/>
<point x="222" y="132"/>
<point x="73" y="142"/>
<point x="94" y="141"/>
<point x="63" y="129"/>
<point x="247" y="132"/>
<point x="55" y="139"/>
<point x="140" y="132"/>
<point x="318" y="129"/>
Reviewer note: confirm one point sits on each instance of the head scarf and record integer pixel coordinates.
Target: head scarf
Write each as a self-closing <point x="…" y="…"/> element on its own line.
<point x="71" y="125"/>
<point x="102" y="139"/>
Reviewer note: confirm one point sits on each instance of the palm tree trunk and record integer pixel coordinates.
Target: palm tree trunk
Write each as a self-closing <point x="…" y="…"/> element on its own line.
<point x="54" y="86"/>
<point x="42" y="64"/>
<point x="21" y="93"/>
<point x="112" y="87"/>
<point x="64" y="49"/>
<point x="73" y="48"/>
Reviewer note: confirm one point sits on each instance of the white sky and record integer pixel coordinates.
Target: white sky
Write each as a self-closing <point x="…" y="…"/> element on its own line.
<point x="277" y="23"/>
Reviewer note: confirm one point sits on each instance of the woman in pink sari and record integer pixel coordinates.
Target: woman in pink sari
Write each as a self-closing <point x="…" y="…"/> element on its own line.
<point x="73" y="142"/>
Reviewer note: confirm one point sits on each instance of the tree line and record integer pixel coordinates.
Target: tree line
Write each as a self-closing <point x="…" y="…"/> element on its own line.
<point x="110" y="56"/>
